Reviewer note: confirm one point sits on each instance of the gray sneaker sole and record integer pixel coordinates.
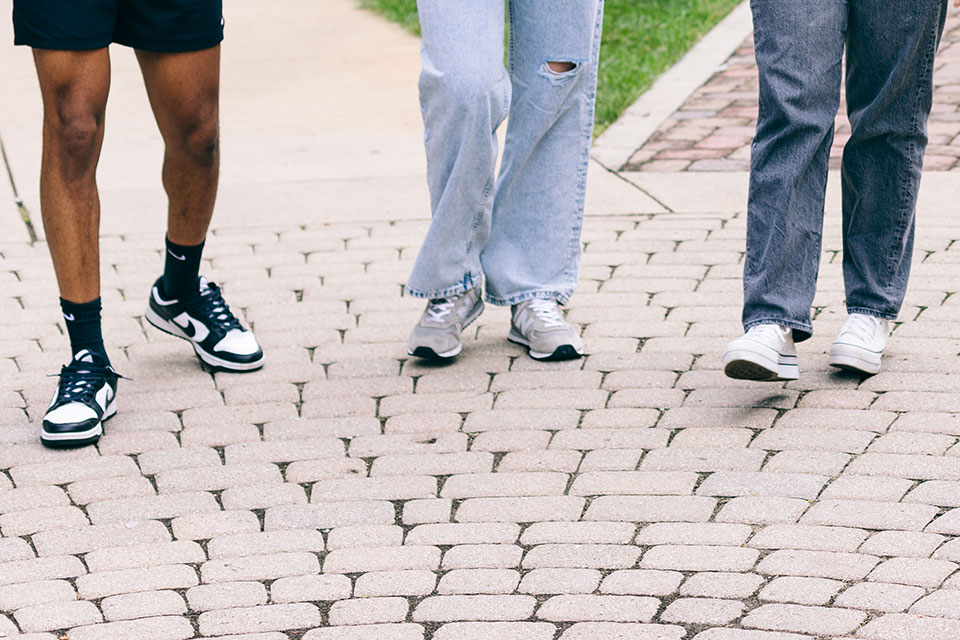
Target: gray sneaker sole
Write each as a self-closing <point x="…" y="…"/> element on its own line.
<point x="563" y="352"/>
<point x="426" y="353"/>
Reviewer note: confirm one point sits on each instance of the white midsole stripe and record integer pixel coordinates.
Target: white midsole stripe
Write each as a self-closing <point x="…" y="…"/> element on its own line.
<point x="95" y="430"/>
<point x="73" y="435"/>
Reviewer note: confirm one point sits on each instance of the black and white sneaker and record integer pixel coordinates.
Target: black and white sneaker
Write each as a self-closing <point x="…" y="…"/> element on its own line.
<point x="85" y="397"/>
<point x="206" y="321"/>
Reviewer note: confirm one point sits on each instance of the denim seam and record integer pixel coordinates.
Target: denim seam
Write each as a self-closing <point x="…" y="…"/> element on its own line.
<point x="510" y="39"/>
<point x="478" y="217"/>
<point x="571" y="272"/>
<point x="905" y="177"/>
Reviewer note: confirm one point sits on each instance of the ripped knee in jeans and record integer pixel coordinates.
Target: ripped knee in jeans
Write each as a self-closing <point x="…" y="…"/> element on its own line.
<point x="559" y="72"/>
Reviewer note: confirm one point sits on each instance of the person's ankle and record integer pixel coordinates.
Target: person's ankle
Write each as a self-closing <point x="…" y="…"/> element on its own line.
<point x="171" y="289"/>
<point x="82" y="320"/>
<point x="94" y="347"/>
<point x="181" y="270"/>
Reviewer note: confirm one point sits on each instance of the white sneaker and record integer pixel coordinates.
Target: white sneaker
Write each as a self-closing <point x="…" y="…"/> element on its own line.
<point x="859" y="344"/>
<point x="766" y="352"/>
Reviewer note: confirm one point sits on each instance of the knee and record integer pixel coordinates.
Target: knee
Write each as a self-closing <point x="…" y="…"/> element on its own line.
<point x="561" y="67"/>
<point x="560" y="72"/>
<point x="76" y="135"/>
<point x="467" y="90"/>
<point x="199" y="138"/>
<point x="805" y="119"/>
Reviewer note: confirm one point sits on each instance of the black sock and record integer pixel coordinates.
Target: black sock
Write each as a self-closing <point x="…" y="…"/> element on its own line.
<point x="181" y="271"/>
<point x="83" y="326"/>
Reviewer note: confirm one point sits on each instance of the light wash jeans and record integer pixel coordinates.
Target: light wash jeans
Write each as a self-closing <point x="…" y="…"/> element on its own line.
<point x="522" y="232"/>
<point x="890" y="53"/>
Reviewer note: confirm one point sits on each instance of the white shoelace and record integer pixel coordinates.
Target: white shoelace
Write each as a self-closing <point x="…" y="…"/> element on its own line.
<point x="440" y="309"/>
<point x="861" y="327"/>
<point x="548" y="313"/>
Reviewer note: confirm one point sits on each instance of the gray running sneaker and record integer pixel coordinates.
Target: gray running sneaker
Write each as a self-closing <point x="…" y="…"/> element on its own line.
<point x="540" y="326"/>
<point x="437" y="335"/>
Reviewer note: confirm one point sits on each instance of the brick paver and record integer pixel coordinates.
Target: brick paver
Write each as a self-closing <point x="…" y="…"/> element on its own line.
<point x="713" y="129"/>
<point x="347" y="492"/>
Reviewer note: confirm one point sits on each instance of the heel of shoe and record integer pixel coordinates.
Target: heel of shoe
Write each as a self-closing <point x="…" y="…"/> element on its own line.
<point x="747" y="365"/>
<point x="162" y="324"/>
<point x="788" y="368"/>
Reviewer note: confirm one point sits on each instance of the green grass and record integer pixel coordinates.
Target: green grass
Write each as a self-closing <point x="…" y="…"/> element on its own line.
<point x="403" y="12"/>
<point x="641" y="39"/>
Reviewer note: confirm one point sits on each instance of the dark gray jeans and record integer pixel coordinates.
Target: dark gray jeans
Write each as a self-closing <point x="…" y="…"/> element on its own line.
<point x="889" y="80"/>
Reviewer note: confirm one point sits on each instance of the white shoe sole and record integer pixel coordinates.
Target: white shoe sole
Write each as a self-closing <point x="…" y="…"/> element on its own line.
<point x="427" y="353"/>
<point x="853" y="358"/>
<point x="205" y="356"/>
<point x="760" y="364"/>
<point x="563" y="352"/>
<point x="79" y="437"/>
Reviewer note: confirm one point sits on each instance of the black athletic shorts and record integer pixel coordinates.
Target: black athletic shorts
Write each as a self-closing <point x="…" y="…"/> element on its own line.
<point x="150" y="25"/>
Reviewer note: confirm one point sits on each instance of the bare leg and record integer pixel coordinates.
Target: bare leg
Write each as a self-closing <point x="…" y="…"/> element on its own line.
<point x="184" y="91"/>
<point x="74" y="86"/>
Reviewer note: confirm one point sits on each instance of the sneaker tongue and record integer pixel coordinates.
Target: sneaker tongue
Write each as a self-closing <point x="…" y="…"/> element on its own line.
<point x="84" y="355"/>
<point x="204" y="285"/>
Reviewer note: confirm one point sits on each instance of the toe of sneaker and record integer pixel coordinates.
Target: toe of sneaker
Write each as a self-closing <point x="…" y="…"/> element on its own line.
<point x="69" y="417"/>
<point x="239" y="343"/>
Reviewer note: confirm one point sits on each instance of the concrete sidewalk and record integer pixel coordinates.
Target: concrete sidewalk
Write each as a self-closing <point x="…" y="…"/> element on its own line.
<point x="346" y="492"/>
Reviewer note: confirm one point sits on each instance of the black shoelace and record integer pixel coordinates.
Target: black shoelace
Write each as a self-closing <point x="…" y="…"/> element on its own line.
<point x="80" y="381"/>
<point x="211" y="306"/>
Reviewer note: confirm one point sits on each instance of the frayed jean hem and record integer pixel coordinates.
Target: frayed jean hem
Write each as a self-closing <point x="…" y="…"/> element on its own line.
<point x="801" y="331"/>
<point x="560" y="297"/>
<point x="470" y="281"/>
<point x="872" y="312"/>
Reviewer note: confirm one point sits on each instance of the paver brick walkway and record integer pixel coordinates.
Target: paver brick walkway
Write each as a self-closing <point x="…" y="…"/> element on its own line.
<point x="713" y="129"/>
<point x="347" y="492"/>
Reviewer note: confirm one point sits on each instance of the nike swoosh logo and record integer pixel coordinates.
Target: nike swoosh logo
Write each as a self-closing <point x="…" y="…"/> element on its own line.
<point x="68" y="317"/>
<point x="181" y="258"/>
<point x="192" y="328"/>
<point x="188" y="328"/>
<point x="104" y="397"/>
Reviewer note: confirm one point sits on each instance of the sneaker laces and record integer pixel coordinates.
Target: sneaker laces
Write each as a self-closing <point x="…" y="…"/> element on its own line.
<point x="862" y="327"/>
<point x="440" y="308"/>
<point x="548" y="312"/>
<point x="211" y="306"/>
<point x="80" y="380"/>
